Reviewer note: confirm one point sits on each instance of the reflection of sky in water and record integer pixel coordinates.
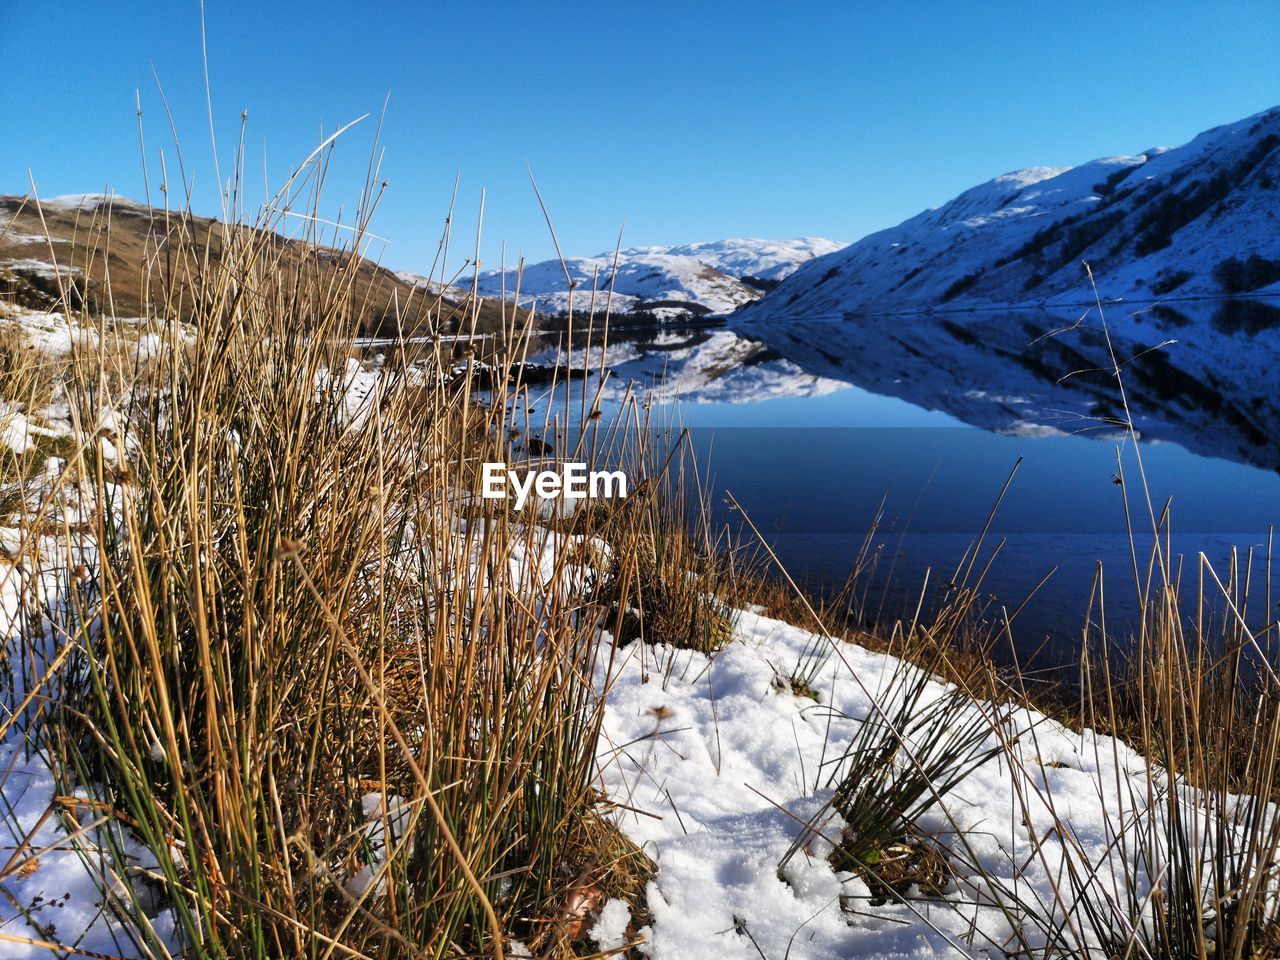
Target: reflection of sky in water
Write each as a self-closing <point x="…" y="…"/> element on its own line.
<point x="849" y="407"/>
<point x="814" y="491"/>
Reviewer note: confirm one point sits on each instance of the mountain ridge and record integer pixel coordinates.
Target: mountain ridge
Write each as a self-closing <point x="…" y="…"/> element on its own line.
<point x="1190" y="221"/>
<point x="664" y="282"/>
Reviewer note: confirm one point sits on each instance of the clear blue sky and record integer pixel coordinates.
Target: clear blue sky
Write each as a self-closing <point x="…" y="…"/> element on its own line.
<point x="688" y="121"/>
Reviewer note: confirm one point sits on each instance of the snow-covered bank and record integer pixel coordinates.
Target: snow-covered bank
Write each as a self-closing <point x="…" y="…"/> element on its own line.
<point x="716" y="769"/>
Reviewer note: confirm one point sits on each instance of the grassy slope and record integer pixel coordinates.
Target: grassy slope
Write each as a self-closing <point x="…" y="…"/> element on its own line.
<point x="126" y="240"/>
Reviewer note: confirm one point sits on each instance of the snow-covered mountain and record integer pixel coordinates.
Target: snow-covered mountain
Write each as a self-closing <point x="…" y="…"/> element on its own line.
<point x="688" y="280"/>
<point x="1200" y="219"/>
<point x="758" y="262"/>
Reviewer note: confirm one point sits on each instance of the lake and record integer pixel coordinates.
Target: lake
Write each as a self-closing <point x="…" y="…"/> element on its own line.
<point x="818" y="425"/>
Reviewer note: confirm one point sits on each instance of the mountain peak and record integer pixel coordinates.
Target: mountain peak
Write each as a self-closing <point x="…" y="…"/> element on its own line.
<point x="667" y="282"/>
<point x="1168" y="221"/>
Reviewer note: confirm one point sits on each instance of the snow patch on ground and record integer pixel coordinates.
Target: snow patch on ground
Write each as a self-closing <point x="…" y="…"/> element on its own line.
<point x="720" y="767"/>
<point x="40" y="268"/>
<point x="610" y="929"/>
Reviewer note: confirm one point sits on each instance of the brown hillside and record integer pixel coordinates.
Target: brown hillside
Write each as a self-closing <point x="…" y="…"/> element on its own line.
<point x="121" y="256"/>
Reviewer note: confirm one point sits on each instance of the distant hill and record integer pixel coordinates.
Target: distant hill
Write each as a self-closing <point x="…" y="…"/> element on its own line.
<point x="1198" y="220"/>
<point x="689" y="280"/>
<point x="86" y="237"/>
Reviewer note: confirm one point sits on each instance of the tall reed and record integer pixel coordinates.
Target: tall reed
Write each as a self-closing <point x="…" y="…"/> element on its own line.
<point x="348" y="704"/>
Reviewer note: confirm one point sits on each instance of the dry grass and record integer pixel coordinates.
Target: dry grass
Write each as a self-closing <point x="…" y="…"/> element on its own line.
<point x="350" y="705"/>
<point x="673" y="581"/>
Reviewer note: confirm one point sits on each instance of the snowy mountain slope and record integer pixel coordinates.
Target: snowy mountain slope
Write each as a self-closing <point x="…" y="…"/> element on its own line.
<point x="757" y="259"/>
<point x="672" y="284"/>
<point x="1166" y="222"/>
<point x="691" y="279"/>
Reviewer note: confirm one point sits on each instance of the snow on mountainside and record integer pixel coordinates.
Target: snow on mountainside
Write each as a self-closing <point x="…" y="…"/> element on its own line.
<point x="1202" y="219"/>
<point x="755" y="259"/>
<point x="690" y="279"/>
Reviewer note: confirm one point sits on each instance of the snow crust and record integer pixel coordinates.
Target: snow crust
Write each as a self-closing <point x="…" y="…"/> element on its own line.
<point x="720" y="768"/>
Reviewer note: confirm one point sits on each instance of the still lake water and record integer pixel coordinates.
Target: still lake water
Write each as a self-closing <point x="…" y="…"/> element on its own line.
<point x="812" y="425"/>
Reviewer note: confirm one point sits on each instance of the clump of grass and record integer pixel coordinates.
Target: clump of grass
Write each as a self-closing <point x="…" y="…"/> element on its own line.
<point x="906" y="757"/>
<point x="673" y="579"/>
<point x="672" y="597"/>
<point x="312" y="674"/>
<point x="797" y="686"/>
<point x="918" y="740"/>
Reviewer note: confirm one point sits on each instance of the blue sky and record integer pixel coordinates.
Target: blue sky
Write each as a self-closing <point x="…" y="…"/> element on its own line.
<point x="687" y="121"/>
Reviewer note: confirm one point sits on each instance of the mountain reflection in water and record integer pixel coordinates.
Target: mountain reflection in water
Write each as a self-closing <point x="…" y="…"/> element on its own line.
<point x="812" y="424"/>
